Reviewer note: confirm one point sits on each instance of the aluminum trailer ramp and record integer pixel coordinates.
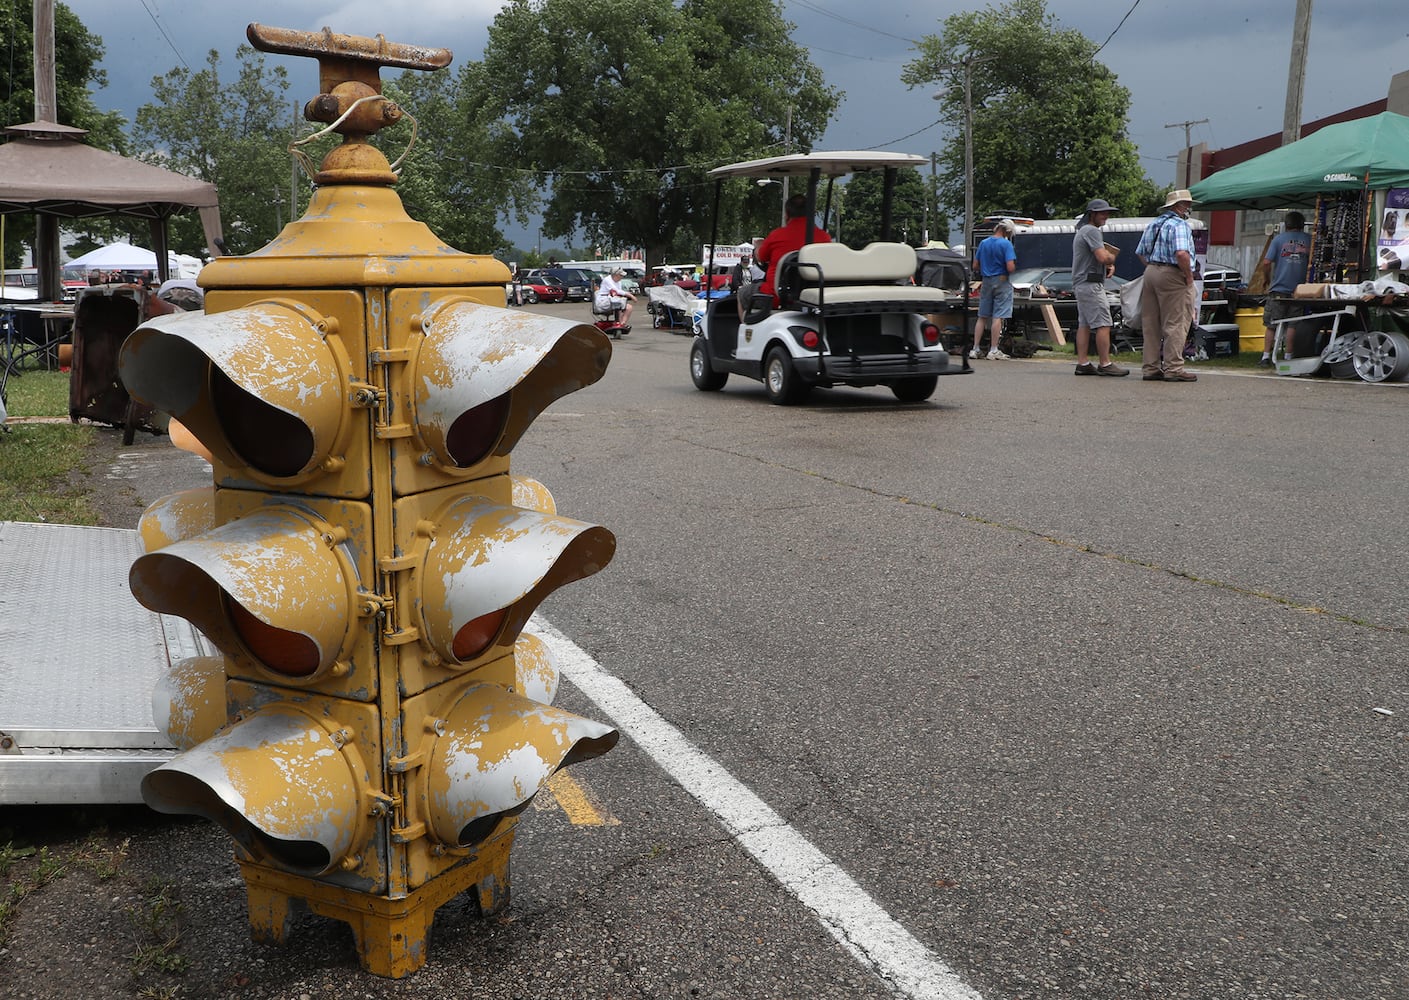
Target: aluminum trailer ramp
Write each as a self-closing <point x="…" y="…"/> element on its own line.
<point x="78" y="659"/>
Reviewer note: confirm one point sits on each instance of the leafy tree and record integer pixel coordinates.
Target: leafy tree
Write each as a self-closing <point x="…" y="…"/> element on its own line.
<point x="1049" y="122"/>
<point x="861" y="216"/>
<point x="624" y="105"/>
<point x="235" y="136"/>
<point x="444" y="180"/>
<point x="77" y="54"/>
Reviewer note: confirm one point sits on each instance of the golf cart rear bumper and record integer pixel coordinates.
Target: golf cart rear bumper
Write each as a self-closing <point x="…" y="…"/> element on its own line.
<point x="876" y="368"/>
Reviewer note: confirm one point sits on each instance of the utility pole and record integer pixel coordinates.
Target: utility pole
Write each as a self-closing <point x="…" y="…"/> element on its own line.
<point x="1296" y="74"/>
<point x="1188" y="165"/>
<point x="46" y="109"/>
<point x="934" y="192"/>
<point x="967" y="64"/>
<point x="787" y="148"/>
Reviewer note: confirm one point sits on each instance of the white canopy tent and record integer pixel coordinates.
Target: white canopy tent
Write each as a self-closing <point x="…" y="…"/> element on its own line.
<point x="126" y="257"/>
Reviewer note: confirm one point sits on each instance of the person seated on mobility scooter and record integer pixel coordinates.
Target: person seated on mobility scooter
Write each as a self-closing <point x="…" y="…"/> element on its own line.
<point x="614" y="303"/>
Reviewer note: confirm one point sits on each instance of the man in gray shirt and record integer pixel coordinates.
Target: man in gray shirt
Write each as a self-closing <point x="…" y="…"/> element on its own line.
<point x="1092" y="262"/>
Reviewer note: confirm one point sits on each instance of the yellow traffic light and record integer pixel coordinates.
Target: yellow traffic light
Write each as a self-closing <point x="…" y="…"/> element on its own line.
<point x="364" y="560"/>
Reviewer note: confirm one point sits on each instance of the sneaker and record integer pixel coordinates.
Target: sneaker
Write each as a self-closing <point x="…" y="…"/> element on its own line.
<point x="1264" y="363"/>
<point x="997" y="355"/>
<point x="1086" y="369"/>
<point x="1112" y="369"/>
<point x="975" y="354"/>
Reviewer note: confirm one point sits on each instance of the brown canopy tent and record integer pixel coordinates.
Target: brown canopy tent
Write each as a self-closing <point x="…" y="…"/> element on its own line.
<point x="46" y="169"/>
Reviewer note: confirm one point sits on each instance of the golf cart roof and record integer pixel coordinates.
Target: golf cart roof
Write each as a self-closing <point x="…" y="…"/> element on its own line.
<point x="829" y="164"/>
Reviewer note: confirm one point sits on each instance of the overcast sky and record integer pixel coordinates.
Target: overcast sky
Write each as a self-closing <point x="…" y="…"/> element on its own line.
<point x="1221" y="60"/>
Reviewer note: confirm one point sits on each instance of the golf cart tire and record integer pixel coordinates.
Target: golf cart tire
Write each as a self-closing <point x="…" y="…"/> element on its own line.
<point x="915" y="390"/>
<point x="704" y="376"/>
<point x="781" y="380"/>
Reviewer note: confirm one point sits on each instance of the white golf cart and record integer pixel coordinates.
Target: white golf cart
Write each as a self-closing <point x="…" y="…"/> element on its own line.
<point x="843" y="317"/>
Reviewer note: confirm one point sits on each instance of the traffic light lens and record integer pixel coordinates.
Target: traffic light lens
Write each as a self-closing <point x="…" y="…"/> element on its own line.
<point x="474" y="637"/>
<point x="476" y="431"/>
<point x="285" y="652"/>
<point x="272" y="441"/>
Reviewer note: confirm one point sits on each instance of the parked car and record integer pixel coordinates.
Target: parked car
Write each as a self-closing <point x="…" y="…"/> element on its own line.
<point x="578" y="284"/>
<point x="21" y="285"/>
<point x="1222" y="282"/>
<point x="1035" y="286"/>
<point x="539" y="288"/>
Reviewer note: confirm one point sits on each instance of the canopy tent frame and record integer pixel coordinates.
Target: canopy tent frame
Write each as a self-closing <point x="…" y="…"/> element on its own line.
<point x="46" y="170"/>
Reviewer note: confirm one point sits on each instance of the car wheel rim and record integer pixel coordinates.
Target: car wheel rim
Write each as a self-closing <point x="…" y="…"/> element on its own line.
<point x="696" y="364"/>
<point x="775" y="377"/>
<point x="1379" y="356"/>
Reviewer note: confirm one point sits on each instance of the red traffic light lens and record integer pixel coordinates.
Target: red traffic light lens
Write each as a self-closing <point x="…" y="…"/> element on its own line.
<point x="476" y="431"/>
<point x="474" y="637"/>
<point x="270" y="440"/>
<point x="290" y="653"/>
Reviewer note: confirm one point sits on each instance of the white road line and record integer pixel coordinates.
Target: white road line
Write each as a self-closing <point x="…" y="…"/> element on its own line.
<point x="844" y="908"/>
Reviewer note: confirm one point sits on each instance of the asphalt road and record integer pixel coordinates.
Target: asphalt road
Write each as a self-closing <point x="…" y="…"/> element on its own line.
<point x="1094" y="687"/>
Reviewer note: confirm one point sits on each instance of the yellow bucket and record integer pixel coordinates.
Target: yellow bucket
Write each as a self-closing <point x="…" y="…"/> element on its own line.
<point x="1250" y="330"/>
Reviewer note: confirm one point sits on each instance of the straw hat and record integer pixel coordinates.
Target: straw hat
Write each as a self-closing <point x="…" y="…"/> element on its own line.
<point x="1178" y="195"/>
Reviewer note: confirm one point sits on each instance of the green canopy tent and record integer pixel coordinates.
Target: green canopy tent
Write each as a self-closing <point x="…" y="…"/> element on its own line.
<point x="1368" y="154"/>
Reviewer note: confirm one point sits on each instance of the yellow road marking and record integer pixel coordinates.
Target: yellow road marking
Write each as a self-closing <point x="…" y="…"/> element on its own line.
<point x="565" y="793"/>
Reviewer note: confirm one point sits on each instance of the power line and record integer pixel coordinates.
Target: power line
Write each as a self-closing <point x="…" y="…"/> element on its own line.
<point x="162" y="29"/>
<point x="1117" y="28"/>
<point x="846" y="20"/>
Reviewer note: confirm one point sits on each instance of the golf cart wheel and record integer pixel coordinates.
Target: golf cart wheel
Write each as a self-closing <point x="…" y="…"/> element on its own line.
<point x="706" y="379"/>
<point x="1381" y="357"/>
<point x="915" y="390"/>
<point x="781" y="380"/>
<point x="657" y="320"/>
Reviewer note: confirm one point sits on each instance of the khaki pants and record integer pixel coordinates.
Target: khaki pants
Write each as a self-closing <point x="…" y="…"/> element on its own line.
<point x="1166" y="313"/>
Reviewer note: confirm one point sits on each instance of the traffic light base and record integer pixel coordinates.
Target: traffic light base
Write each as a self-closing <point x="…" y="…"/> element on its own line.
<point x="391" y="934"/>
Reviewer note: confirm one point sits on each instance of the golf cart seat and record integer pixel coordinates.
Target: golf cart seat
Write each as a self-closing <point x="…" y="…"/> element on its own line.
<point x="833" y="278"/>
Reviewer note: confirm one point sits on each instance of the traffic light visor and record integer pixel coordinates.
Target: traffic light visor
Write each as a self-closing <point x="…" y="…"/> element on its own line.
<point x="272" y="586"/>
<point x="484" y="374"/>
<point x="261" y="386"/>
<point x="497" y="750"/>
<point x="489" y="566"/>
<point x="279" y="784"/>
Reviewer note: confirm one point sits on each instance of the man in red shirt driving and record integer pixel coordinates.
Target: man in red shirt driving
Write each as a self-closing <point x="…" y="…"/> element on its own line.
<point x="790" y="236"/>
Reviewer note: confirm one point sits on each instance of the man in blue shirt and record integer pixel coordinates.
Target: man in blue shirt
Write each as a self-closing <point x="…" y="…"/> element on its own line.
<point x="1288" y="255"/>
<point x="1167" y="297"/>
<point x="994" y="260"/>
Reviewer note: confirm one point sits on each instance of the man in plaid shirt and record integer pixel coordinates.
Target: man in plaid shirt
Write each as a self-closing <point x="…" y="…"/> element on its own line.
<point x="1167" y="298"/>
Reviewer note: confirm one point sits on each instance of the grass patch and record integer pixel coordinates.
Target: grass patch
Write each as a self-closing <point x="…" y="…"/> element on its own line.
<point x="38" y="394"/>
<point x="157" y="926"/>
<point x="36" y="460"/>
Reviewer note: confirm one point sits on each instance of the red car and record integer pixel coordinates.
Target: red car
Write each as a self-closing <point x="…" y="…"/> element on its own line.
<point x="544" y="289"/>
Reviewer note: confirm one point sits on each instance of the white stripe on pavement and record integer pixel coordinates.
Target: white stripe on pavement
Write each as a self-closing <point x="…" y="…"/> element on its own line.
<point x="845" y="909"/>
